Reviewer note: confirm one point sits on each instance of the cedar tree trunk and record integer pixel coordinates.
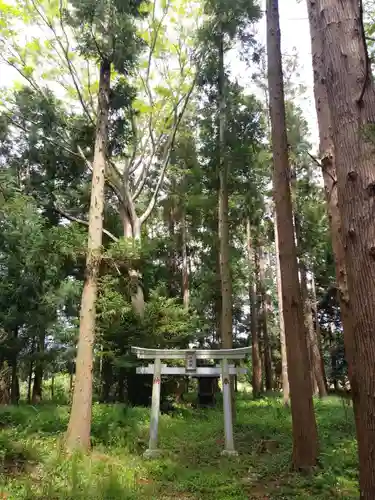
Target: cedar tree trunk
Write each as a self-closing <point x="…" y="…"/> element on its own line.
<point x="305" y="438"/>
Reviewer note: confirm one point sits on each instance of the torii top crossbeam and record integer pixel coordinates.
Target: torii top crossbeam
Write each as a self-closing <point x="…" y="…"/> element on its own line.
<point x="144" y="353"/>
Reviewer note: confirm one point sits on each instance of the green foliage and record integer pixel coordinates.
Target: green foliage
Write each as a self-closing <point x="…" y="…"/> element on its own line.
<point x="106" y="30"/>
<point x="33" y="465"/>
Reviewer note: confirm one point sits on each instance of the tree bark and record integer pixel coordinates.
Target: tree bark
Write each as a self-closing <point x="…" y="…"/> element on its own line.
<point x="15" y="387"/>
<point x="328" y="162"/>
<point x="317" y="374"/>
<point x="185" y="267"/>
<point x="5" y="383"/>
<point x="172" y="258"/>
<point x="79" y="428"/>
<point x="342" y="77"/>
<point x="52" y="386"/>
<point x="284" y="361"/>
<point x="37" y="392"/>
<point x="132" y="232"/>
<point x="263" y="315"/>
<point x="351" y="98"/>
<point x="315" y="362"/>
<point x="255" y="349"/>
<point x="318" y="329"/>
<point x="223" y="216"/>
<point x="305" y="438"/>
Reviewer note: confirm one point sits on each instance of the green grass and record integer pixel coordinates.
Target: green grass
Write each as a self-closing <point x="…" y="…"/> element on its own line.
<point x="34" y="466"/>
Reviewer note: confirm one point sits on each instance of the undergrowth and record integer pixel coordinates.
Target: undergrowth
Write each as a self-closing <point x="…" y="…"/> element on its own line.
<point x="33" y="464"/>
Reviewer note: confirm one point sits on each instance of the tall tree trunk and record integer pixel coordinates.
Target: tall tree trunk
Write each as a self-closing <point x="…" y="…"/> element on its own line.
<point x="5" y="383"/>
<point x="314" y="306"/>
<point x="37" y="393"/>
<point x="316" y="373"/>
<point x="263" y="315"/>
<point x="255" y="349"/>
<point x="284" y="361"/>
<point x="52" y="386"/>
<point x="15" y="386"/>
<point x="29" y="382"/>
<point x="79" y="428"/>
<point x="132" y="232"/>
<point x="171" y="215"/>
<point x="328" y="162"/>
<point x="346" y="70"/>
<point x="107" y="380"/>
<point x="185" y="269"/>
<point x="305" y="438"/>
<point x="223" y="216"/>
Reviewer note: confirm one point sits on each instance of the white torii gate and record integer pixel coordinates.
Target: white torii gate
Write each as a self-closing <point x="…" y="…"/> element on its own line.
<point x="157" y="369"/>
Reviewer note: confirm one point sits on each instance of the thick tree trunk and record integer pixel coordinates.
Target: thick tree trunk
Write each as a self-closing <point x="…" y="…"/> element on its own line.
<point x="255" y="349"/>
<point x="79" y="429"/>
<point x="328" y="161"/>
<point x="185" y="267"/>
<point x="351" y="99"/>
<point x="305" y="438"/>
<point x="284" y="361"/>
<point x="263" y="315"/>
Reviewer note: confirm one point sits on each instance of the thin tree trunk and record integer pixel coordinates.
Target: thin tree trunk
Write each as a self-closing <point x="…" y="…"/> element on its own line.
<point x="284" y="361"/>
<point x="255" y="350"/>
<point x="223" y="226"/>
<point x="264" y="326"/>
<point x="132" y="232"/>
<point x="5" y="383"/>
<point x="15" y="388"/>
<point x="79" y="428"/>
<point x="316" y="373"/>
<point x="171" y="215"/>
<point x="52" y="387"/>
<point x="305" y="438"/>
<point x="185" y="270"/>
<point x="223" y="219"/>
<point x="37" y="393"/>
<point x="29" y="382"/>
<point x="317" y="379"/>
<point x="317" y="329"/>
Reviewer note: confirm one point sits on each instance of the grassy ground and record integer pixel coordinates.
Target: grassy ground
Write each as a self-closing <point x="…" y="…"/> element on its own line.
<point x="33" y="465"/>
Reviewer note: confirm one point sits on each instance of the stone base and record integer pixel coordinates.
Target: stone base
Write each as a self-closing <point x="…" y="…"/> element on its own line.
<point x="152" y="453"/>
<point x="229" y="453"/>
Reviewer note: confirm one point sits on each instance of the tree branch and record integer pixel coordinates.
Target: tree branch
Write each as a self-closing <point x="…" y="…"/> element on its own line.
<point x="65" y="54"/>
<point x="83" y="222"/>
<point x="167" y="153"/>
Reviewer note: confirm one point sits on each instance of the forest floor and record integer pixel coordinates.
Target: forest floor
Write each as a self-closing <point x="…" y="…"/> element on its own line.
<point x="33" y="465"/>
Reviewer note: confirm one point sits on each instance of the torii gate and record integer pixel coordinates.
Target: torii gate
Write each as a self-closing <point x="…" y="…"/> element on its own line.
<point x="157" y="369"/>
